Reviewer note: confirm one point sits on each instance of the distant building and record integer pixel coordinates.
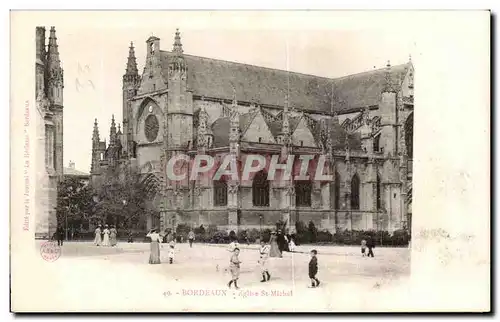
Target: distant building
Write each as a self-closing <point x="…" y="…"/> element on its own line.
<point x="49" y="132"/>
<point x="71" y="172"/>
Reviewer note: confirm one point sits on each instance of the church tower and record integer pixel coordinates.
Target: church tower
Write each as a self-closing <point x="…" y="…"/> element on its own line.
<point x="54" y="91"/>
<point x="40" y="62"/>
<point x="131" y="83"/>
<point x="94" y="168"/>
<point x="388" y="115"/>
<point x="180" y="101"/>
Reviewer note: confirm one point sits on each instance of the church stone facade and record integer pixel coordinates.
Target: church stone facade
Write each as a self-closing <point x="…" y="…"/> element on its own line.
<point x="185" y="104"/>
<point x="49" y="131"/>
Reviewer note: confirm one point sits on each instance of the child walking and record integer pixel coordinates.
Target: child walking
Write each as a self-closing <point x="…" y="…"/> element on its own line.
<point x="234" y="266"/>
<point x="313" y="268"/>
<point x="363" y="248"/>
<point x="171" y="252"/>
<point x="265" y="248"/>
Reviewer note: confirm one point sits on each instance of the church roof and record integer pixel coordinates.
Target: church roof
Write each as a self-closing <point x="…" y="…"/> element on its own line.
<point x="365" y="89"/>
<point x="220" y="128"/>
<point x="215" y="78"/>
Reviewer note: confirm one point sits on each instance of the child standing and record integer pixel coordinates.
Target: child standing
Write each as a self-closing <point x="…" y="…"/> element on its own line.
<point x="265" y="248"/>
<point x="371" y="245"/>
<point x="313" y="268"/>
<point x="234" y="266"/>
<point x="363" y="248"/>
<point x="171" y="252"/>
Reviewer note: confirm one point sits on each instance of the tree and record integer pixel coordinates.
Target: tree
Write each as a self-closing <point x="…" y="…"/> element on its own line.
<point x="74" y="202"/>
<point x="121" y="201"/>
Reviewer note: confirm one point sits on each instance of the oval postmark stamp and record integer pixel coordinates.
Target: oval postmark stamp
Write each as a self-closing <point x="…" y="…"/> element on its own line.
<point x="50" y="251"/>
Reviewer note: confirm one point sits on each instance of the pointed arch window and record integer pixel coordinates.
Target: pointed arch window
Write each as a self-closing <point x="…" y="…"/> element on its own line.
<point x="376" y="143"/>
<point x="260" y="190"/>
<point x="355" y="192"/>
<point x="303" y="190"/>
<point x="379" y="192"/>
<point x="220" y="193"/>
<point x="408" y="128"/>
<point x="337" y="190"/>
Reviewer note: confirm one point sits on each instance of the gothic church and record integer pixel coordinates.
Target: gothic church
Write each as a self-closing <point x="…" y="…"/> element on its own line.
<point x="186" y="104"/>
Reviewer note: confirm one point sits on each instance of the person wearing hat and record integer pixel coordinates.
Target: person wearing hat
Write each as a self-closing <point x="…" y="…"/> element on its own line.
<point x="154" y="256"/>
<point x="97" y="239"/>
<point x="105" y="240"/>
<point x="275" y="251"/>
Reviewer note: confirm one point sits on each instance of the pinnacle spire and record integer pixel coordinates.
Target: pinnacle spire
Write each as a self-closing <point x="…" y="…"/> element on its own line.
<point x="388" y="79"/>
<point x="235" y="102"/>
<point x="95" y="134"/>
<point x="177" y="43"/>
<point x="53" y="52"/>
<point x="112" y="131"/>
<point x="131" y="62"/>
<point x="286" y="124"/>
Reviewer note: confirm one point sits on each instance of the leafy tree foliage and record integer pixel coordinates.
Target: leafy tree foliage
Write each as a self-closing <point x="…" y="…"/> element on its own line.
<point x="74" y="203"/>
<point x="121" y="201"/>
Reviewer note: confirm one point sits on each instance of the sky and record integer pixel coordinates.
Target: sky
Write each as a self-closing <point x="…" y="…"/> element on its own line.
<point x="94" y="47"/>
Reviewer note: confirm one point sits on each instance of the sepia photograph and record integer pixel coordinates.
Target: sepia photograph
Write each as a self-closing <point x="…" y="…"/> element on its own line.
<point x="222" y="165"/>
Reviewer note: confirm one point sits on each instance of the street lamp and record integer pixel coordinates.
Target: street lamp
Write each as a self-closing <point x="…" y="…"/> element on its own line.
<point x="66" y="218"/>
<point x="95" y="198"/>
<point x="260" y="223"/>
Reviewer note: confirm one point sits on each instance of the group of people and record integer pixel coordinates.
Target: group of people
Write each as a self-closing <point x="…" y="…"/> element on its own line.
<point x="367" y="243"/>
<point x="156" y="239"/>
<point x="106" y="236"/>
<point x="267" y="250"/>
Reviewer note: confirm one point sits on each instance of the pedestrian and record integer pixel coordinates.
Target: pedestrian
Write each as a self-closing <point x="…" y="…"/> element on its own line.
<point x="280" y="239"/>
<point x="97" y="239"/>
<point x="371" y="245"/>
<point x="274" y="252"/>
<point x="130" y="236"/>
<point x="171" y="252"/>
<point x="105" y="240"/>
<point x="234" y="267"/>
<point x="265" y="248"/>
<point x="112" y="236"/>
<point x="291" y="245"/>
<point x="313" y="269"/>
<point x="233" y="245"/>
<point x="191" y="238"/>
<point x="154" y="256"/>
<point x="363" y="247"/>
<point x="60" y="235"/>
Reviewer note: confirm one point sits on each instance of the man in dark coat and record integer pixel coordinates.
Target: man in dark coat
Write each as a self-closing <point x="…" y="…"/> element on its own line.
<point x="281" y="241"/>
<point x="60" y="235"/>
<point x="370" y="244"/>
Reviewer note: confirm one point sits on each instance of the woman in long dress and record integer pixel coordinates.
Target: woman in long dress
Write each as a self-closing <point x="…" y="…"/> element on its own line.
<point x="112" y="236"/>
<point x="275" y="252"/>
<point x="154" y="257"/>
<point x="105" y="240"/>
<point x="97" y="239"/>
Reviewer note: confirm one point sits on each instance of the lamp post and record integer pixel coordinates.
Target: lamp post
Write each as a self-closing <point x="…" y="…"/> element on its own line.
<point x="124" y="201"/>
<point x="96" y="201"/>
<point x="66" y="218"/>
<point x="260" y="223"/>
<point x="380" y="221"/>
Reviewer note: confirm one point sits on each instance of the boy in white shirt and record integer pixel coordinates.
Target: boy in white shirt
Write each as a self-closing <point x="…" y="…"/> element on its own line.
<point x="265" y="248"/>
<point x="171" y="252"/>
